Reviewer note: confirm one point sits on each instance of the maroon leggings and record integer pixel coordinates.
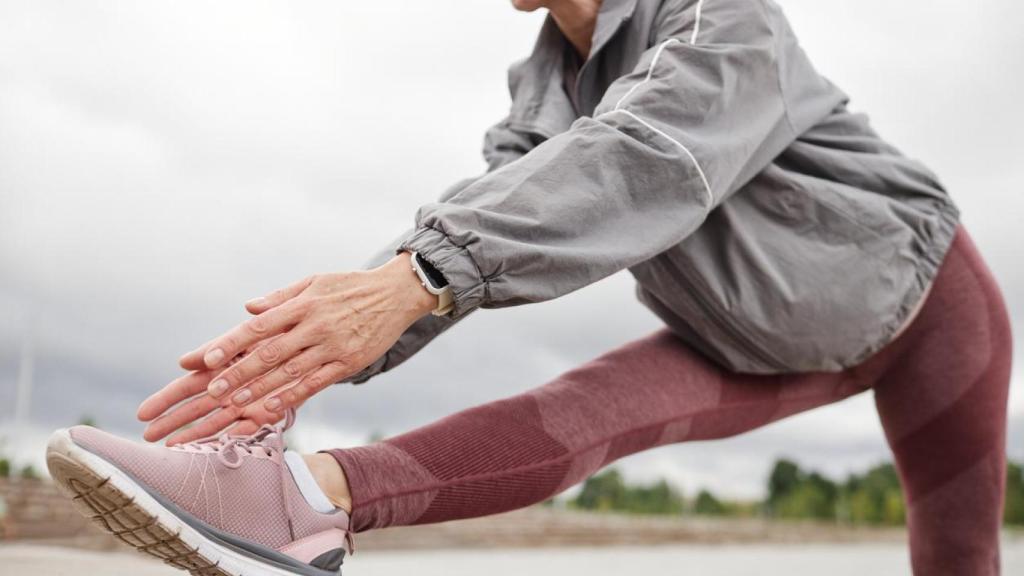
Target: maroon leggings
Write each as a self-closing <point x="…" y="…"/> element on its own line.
<point x="940" y="389"/>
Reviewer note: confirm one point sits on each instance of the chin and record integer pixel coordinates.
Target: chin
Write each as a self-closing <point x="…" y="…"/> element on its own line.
<point x="528" y="5"/>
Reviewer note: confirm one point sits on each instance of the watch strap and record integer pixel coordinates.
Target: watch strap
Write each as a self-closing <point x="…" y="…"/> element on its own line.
<point x="445" y="302"/>
<point x="430" y="280"/>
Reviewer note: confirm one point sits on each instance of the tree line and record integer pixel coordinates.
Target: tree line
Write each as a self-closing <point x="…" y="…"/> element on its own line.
<point x="872" y="498"/>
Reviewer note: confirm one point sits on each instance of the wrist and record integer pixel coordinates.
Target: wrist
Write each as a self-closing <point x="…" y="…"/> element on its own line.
<point x="410" y="290"/>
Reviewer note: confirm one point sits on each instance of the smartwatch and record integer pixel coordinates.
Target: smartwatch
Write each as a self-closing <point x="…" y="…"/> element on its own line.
<point x="435" y="283"/>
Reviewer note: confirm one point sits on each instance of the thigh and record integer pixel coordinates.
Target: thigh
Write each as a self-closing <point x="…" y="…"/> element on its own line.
<point x="658" y="390"/>
<point x="942" y="386"/>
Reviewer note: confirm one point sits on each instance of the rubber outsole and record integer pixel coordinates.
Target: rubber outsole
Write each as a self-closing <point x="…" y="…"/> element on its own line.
<point x="117" y="505"/>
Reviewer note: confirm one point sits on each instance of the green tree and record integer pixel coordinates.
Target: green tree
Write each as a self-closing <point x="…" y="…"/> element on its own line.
<point x="814" y="496"/>
<point x="5" y="467"/>
<point x="608" y="491"/>
<point x="1014" y="511"/>
<point x="29" y="473"/>
<point x="783" y="480"/>
<point x="707" y="505"/>
<point x="658" y="498"/>
<point x="875" y="497"/>
<point x="602" y="491"/>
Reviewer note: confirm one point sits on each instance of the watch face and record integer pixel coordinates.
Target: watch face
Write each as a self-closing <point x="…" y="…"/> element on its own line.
<point x="433" y="275"/>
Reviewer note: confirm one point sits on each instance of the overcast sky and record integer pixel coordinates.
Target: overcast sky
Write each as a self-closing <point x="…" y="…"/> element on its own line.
<point x="162" y="162"/>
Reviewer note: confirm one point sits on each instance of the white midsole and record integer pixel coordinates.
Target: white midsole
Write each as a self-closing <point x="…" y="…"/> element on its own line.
<point x="226" y="559"/>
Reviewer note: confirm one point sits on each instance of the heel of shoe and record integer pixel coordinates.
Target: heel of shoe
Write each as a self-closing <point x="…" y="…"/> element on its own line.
<point x="324" y="550"/>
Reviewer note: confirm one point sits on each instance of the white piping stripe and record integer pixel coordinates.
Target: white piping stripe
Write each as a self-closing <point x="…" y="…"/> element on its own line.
<point x="700" y="171"/>
<point x="696" y="24"/>
<point x="657" y="54"/>
<point x="650" y="71"/>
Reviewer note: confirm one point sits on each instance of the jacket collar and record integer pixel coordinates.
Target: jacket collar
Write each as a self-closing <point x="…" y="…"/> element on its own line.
<point x="539" y="103"/>
<point x="609" y="19"/>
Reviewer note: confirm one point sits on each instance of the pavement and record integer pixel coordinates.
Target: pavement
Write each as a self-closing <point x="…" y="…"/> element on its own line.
<point x="852" y="559"/>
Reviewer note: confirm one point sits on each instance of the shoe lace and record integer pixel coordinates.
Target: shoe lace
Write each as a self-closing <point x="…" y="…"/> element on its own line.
<point x="269" y="438"/>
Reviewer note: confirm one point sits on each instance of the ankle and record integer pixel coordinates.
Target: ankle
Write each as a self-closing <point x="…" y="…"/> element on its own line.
<point x="331" y="479"/>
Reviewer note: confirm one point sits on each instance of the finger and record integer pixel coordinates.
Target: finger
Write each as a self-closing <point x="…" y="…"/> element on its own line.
<point x="194" y="360"/>
<point x="253" y="330"/>
<point x="260" y="415"/>
<point x="243" y="428"/>
<point x="267" y="356"/>
<point x="187" y="413"/>
<point x="180" y="389"/>
<point x="277" y="297"/>
<point x="209" y="426"/>
<point x="304" y="363"/>
<point x="309" y="385"/>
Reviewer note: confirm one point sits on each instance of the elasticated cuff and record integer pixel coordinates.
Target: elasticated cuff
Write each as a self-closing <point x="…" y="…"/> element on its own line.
<point x="469" y="287"/>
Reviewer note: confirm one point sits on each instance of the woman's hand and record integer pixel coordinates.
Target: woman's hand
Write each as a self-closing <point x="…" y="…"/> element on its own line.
<point x="301" y="339"/>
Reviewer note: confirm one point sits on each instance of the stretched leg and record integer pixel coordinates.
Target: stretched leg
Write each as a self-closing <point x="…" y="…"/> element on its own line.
<point x="521" y="450"/>
<point x="942" y="401"/>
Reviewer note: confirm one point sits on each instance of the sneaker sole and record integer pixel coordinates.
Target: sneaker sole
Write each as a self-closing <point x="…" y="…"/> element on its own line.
<point x="120" y="506"/>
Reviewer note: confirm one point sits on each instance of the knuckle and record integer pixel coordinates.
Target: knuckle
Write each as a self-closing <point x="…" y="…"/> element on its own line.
<point x="259" y="387"/>
<point x="232" y="376"/>
<point x="292" y="368"/>
<point x="264" y="384"/>
<point x="322" y="328"/>
<point x="257" y="325"/>
<point x="269" y="353"/>
<point x="313" y="384"/>
<point x="305" y="304"/>
<point x="229" y="343"/>
<point x="316" y="332"/>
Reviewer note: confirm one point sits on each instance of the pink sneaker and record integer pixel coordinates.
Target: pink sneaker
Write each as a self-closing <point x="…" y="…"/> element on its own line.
<point x="223" y="506"/>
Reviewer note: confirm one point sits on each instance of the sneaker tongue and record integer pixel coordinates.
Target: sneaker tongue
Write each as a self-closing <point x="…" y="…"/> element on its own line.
<point x="308" y="487"/>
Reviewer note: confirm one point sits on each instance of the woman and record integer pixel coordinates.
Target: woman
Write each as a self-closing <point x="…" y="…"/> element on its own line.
<point x="795" y="257"/>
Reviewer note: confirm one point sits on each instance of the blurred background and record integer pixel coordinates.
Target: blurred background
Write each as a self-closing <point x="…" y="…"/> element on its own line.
<point x="162" y="162"/>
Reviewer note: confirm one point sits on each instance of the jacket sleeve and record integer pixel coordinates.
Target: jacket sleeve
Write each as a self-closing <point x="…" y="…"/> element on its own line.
<point x="502" y="145"/>
<point x="699" y="116"/>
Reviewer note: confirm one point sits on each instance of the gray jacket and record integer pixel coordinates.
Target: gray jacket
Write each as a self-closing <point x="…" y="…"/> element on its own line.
<point x="767" y="225"/>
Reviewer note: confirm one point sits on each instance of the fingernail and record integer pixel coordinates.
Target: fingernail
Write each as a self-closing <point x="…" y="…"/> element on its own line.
<point x="256" y="301"/>
<point x="274" y="404"/>
<point x="213" y="357"/>
<point x="217" y="387"/>
<point x="242" y="397"/>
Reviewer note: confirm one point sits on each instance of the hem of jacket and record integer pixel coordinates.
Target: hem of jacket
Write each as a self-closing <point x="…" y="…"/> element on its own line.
<point x="455" y="263"/>
<point x="928" y="268"/>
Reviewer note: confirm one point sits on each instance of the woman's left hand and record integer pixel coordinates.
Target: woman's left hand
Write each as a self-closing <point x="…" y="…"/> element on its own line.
<point x="301" y="339"/>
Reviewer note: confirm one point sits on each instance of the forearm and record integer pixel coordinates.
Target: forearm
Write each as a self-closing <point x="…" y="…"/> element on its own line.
<point x="580" y="207"/>
<point x="670" y="141"/>
<point x="502" y="146"/>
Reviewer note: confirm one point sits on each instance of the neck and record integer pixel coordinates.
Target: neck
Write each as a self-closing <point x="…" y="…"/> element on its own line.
<point x="576" y="19"/>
